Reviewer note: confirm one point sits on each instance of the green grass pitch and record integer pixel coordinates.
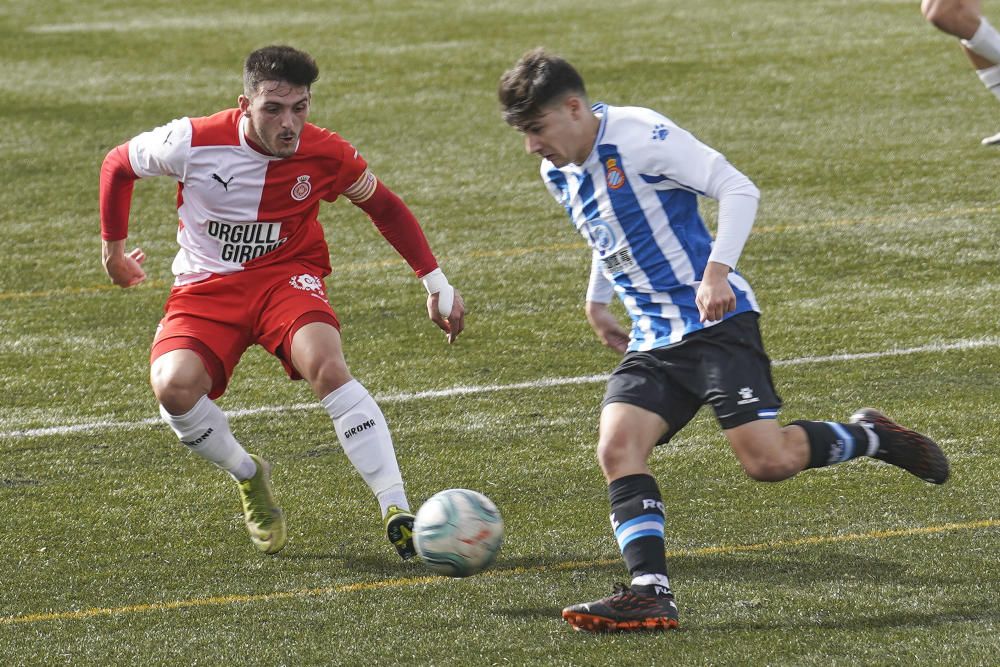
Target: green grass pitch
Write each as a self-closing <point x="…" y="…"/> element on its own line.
<point x="874" y="257"/>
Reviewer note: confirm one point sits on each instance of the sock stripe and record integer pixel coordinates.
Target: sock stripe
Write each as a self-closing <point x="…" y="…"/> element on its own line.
<point x="647" y="525"/>
<point x="848" y="443"/>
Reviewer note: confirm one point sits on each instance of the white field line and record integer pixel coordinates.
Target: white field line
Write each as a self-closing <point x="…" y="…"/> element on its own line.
<point x="404" y="397"/>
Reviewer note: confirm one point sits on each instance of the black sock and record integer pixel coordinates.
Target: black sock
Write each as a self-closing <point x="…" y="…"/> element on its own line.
<point x="832" y="442"/>
<point x="637" y="519"/>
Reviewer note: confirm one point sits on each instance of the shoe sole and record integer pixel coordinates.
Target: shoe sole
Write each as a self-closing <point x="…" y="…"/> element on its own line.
<point x="394" y="531"/>
<point x="591" y="623"/>
<point x="933" y="464"/>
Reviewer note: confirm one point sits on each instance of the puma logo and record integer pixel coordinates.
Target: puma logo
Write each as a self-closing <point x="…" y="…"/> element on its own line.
<point x="225" y="184"/>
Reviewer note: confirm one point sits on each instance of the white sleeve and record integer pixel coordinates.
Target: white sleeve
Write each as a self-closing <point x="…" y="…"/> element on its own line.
<point x="163" y="151"/>
<point x="738" y="198"/>
<point x="702" y="169"/>
<point x="599" y="289"/>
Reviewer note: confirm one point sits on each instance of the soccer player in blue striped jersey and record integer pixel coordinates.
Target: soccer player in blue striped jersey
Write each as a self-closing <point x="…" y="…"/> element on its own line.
<point x="629" y="179"/>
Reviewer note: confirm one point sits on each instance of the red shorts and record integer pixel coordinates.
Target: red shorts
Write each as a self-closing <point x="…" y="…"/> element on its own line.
<point x="219" y="318"/>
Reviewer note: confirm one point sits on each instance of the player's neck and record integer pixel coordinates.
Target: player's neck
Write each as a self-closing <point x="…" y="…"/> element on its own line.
<point x="588" y="137"/>
<point x="256" y="146"/>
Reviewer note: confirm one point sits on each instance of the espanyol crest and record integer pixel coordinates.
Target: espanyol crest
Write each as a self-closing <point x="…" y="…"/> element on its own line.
<point x="615" y="176"/>
<point x="302" y="188"/>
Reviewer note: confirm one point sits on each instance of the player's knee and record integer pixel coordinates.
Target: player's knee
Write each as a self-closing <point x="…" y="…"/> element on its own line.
<point x="616" y="456"/>
<point x="176" y="389"/>
<point x="940" y="13"/>
<point x="327" y="375"/>
<point x="768" y="470"/>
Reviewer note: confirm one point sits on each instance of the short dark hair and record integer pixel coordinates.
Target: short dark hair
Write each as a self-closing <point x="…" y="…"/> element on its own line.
<point x="278" y="63"/>
<point x="538" y="79"/>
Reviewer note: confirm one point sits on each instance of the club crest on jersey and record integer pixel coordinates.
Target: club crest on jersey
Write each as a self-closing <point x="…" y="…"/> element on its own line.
<point x="616" y="177"/>
<point x="306" y="283"/>
<point x="603" y="237"/>
<point x="302" y="188"/>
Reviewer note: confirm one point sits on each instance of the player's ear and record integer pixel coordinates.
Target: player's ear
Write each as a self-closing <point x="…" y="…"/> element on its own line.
<point x="576" y="106"/>
<point x="244" y="103"/>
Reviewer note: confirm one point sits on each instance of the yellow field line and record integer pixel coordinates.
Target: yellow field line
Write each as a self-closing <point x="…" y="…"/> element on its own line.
<point x="416" y="581"/>
<point x="519" y="251"/>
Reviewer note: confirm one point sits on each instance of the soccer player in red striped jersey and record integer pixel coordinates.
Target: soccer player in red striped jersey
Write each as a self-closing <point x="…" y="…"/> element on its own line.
<point x="251" y="268"/>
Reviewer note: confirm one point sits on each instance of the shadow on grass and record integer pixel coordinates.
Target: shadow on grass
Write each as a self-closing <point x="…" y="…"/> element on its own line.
<point x="971" y="612"/>
<point x="798" y="568"/>
<point x="544" y="612"/>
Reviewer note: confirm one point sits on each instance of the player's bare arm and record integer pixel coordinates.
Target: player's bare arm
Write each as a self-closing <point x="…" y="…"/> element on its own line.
<point x="607" y="327"/>
<point x="715" y="296"/>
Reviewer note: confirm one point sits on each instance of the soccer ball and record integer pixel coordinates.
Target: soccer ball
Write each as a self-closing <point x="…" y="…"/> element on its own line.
<point x="458" y="532"/>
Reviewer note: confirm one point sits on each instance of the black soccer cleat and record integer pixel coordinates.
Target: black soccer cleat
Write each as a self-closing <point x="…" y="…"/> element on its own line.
<point x="623" y="611"/>
<point x="911" y="451"/>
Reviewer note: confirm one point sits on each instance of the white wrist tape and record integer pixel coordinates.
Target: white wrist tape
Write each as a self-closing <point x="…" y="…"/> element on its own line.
<point x="436" y="283"/>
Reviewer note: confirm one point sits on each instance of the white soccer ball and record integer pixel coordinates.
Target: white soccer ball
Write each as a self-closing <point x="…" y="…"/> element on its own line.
<point x="458" y="532"/>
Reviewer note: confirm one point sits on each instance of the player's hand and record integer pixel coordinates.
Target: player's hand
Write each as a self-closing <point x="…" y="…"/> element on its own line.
<point x="715" y="296"/>
<point x="455" y="322"/>
<point x="124" y="270"/>
<point x="607" y="327"/>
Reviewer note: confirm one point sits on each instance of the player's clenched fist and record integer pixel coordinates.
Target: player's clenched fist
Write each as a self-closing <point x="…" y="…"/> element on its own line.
<point x="124" y="270"/>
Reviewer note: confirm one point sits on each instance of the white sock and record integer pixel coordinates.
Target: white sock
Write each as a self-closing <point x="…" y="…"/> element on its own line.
<point x="205" y="431"/>
<point x="660" y="581"/>
<point x="991" y="79"/>
<point x="364" y="435"/>
<point x="986" y="41"/>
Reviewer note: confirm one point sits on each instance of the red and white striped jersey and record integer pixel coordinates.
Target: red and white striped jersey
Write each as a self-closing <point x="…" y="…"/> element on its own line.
<point x="240" y="208"/>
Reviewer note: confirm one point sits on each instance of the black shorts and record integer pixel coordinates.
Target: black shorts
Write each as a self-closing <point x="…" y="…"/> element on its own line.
<point x="724" y="365"/>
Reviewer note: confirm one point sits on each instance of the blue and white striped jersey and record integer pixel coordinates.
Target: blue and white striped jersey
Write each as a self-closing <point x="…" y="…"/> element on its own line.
<point x="634" y="199"/>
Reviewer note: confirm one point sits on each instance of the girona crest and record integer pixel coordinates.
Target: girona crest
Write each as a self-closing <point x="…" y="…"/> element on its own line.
<point x="302" y="188"/>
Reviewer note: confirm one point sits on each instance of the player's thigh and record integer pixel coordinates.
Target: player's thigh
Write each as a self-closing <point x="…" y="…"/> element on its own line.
<point x="208" y="319"/>
<point x="628" y="433"/>
<point x="655" y="381"/>
<point x="317" y="354"/>
<point x="736" y="373"/>
<point x="296" y="323"/>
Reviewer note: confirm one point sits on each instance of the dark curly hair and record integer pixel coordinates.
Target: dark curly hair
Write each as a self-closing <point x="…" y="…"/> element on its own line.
<point x="278" y="63"/>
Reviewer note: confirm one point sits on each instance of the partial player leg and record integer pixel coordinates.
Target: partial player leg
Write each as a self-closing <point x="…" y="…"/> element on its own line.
<point x="770" y="453"/>
<point x="979" y="39"/>
<point x="960" y="18"/>
<point x="628" y="435"/>
<point x="903" y="447"/>
<point x="360" y="425"/>
<point x="181" y="384"/>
